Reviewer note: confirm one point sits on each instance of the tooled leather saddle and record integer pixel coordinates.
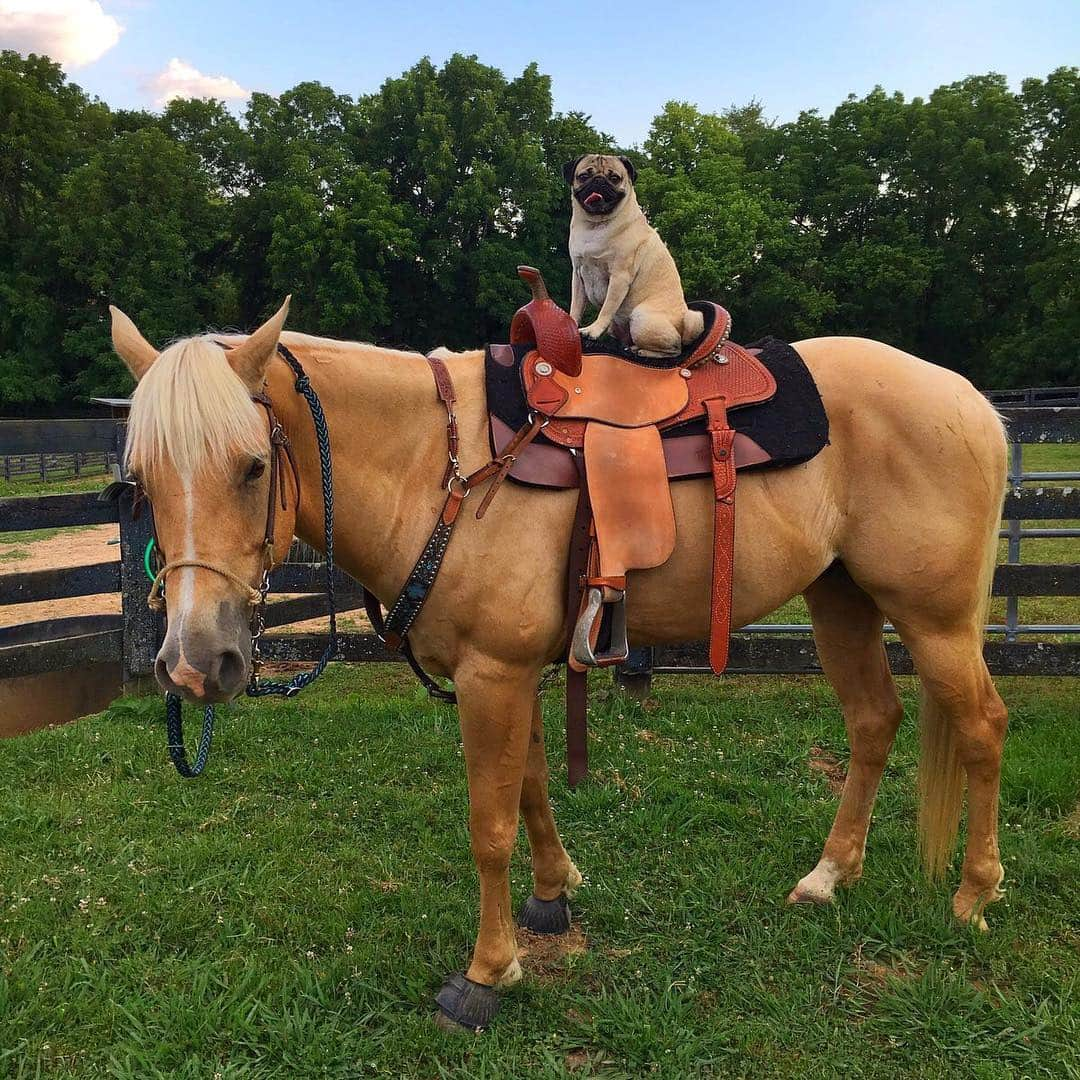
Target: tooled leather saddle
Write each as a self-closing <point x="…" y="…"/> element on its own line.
<point x="611" y="409"/>
<point x="621" y="427"/>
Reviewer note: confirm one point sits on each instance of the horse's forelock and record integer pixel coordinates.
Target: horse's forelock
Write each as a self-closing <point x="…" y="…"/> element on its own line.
<point x="193" y="410"/>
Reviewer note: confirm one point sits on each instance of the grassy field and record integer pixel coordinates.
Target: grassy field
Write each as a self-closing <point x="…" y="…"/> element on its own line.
<point x="91" y="481"/>
<point x="292" y="913"/>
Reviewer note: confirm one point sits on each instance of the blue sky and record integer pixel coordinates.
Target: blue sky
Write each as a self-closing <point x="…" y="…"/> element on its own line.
<point x="619" y="63"/>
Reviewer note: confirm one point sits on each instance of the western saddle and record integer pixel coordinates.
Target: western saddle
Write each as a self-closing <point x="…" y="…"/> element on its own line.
<point x="609" y="410"/>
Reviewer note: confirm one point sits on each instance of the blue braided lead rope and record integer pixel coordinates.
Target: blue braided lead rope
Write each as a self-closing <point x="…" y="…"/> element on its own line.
<point x="174" y="727"/>
<point x="174" y="722"/>
<point x="326" y="468"/>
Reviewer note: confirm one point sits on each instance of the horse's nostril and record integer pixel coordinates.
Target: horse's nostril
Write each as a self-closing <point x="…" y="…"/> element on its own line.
<point x="229" y="669"/>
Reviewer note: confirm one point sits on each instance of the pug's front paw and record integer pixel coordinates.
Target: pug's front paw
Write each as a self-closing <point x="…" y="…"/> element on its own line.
<point x="594" y="330"/>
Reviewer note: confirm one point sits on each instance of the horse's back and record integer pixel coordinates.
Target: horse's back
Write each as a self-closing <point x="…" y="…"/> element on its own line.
<point x="887" y="385"/>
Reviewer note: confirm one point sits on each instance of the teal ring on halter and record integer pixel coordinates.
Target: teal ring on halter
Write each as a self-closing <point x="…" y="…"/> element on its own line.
<point x="146" y="560"/>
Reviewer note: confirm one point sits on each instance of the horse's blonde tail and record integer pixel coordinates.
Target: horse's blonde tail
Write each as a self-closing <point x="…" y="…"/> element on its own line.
<point x="941" y="788"/>
<point x="941" y="777"/>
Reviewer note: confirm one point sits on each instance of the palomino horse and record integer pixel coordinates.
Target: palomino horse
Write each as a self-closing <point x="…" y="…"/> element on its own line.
<point x="896" y="518"/>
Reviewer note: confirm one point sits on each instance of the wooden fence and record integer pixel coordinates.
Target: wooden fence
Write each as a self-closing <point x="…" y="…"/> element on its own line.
<point x="1014" y="648"/>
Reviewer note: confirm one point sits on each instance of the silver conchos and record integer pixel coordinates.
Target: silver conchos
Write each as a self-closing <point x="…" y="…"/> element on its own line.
<point x="544" y="368"/>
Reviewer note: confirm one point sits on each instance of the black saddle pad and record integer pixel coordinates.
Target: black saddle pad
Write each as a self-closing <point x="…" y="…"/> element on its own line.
<point x="791" y="427"/>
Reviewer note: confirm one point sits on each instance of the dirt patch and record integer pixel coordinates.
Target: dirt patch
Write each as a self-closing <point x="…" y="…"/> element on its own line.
<point x="545" y="956"/>
<point x="1072" y="824"/>
<point x="587" y="1062"/>
<point x="651" y="737"/>
<point x="868" y="977"/>
<point x="827" y="764"/>
<point x="85" y="546"/>
<point x="65" y="549"/>
<point x="389" y="886"/>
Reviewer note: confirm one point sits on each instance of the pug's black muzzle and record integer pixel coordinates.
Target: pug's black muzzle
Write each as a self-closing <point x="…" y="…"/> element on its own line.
<point x="598" y="196"/>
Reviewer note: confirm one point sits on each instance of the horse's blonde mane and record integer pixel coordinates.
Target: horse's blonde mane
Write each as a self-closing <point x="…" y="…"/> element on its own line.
<point x="192" y="409"/>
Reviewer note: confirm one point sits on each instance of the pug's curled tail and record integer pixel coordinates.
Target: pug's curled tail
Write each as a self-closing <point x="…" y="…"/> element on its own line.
<point x="693" y="326"/>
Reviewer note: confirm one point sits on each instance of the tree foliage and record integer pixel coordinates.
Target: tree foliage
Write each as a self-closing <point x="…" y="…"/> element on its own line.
<point x="949" y="226"/>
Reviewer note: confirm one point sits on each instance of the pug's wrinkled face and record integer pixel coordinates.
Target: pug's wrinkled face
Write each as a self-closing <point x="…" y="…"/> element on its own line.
<point x="600" y="182"/>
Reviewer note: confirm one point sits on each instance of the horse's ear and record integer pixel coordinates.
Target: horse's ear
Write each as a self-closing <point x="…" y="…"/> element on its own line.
<point x="130" y="345"/>
<point x="250" y="359"/>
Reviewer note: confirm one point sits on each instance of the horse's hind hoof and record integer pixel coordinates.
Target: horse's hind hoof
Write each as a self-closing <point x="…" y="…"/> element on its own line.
<point x="464" y="1004"/>
<point x="545" y="916"/>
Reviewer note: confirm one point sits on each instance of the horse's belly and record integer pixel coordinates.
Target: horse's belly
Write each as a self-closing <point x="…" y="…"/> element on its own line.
<point x="783" y="529"/>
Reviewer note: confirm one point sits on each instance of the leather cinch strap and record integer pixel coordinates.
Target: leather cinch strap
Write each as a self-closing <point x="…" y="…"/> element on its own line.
<point x="722" y="439"/>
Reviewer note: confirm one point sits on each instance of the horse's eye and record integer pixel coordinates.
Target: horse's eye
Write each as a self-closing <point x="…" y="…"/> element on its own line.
<point x="257" y="469"/>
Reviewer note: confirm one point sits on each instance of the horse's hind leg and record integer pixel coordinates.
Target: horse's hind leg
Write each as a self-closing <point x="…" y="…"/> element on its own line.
<point x="555" y="877"/>
<point x="847" y="632"/>
<point x="963" y="722"/>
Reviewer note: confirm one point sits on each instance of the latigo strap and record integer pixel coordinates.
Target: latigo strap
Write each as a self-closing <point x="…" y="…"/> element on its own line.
<point x="722" y="438"/>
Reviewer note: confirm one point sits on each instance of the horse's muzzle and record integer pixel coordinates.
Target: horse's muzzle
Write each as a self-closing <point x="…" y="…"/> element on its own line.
<point x="205" y="676"/>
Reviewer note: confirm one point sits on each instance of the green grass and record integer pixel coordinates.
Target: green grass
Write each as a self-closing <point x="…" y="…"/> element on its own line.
<point x="292" y="912"/>
<point x="30" y="536"/>
<point x="54" y="485"/>
<point x="1052" y="457"/>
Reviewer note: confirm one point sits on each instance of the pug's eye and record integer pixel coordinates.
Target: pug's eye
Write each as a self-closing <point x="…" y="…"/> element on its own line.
<point x="614" y="177"/>
<point x="583" y="176"/>
<point x="257" y="469"/>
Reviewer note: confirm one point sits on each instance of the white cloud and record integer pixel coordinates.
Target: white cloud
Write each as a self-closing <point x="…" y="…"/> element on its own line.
<point x="179" y="79"/>
<point x="73" y="32"/>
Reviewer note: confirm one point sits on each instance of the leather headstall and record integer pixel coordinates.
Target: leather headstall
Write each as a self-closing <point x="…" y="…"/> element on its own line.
<point x="276" y="494"/>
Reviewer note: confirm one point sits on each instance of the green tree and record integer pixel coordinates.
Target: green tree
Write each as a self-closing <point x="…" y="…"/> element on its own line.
<point x="46" y="128"/>
<point x="138" y="227"/>
<point x="464" y="150"/>
<point x="722" y="224"/>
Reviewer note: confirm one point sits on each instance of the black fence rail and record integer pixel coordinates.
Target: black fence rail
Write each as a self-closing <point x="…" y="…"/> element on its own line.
<point x="1036" y="395"/>
<point x="1015" y="648"/>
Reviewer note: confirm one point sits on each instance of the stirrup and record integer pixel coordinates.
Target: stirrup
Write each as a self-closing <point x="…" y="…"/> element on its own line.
<point x="618" y="647"/>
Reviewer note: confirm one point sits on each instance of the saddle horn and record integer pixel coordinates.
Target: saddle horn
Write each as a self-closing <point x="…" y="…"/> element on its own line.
<point x="542" y="323"/>
<point x="535" y="280"/>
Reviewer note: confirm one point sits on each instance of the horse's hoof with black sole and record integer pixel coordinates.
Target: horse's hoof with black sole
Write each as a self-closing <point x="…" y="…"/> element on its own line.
<point x="545" y="916"/>
<point x="464" y="1004"/>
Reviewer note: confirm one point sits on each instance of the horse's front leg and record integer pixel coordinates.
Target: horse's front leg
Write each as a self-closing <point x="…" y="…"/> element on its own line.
<point x="555" y="877"/>
<point x="495" y="702"/>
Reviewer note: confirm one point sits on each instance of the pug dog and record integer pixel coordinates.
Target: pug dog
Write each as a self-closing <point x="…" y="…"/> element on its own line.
<point x="621" y="265"/>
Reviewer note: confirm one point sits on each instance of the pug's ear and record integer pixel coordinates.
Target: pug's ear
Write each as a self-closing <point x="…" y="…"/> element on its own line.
<point x="630" y="170"/>
<point x="570" y="168"/>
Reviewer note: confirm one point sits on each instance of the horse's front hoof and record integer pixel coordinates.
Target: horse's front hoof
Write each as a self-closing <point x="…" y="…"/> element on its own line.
<point x="545" y="916"/>
<point x="465" y="1005"/>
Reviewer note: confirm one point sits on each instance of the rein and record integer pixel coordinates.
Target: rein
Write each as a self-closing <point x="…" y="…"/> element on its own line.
<point x="256" y="597"/>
